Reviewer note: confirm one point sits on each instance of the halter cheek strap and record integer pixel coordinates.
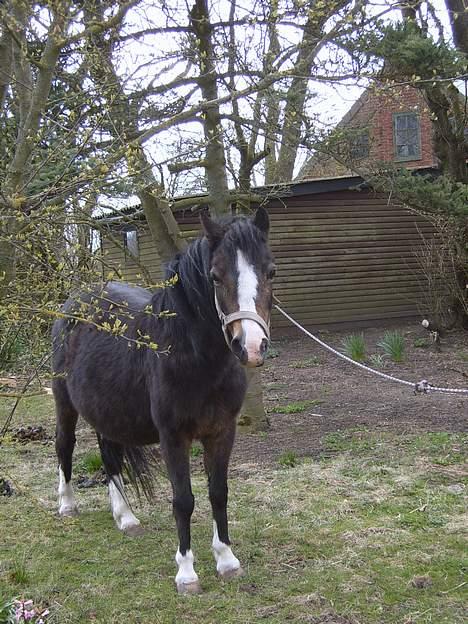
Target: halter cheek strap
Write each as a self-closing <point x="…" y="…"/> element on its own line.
<point x="227" y="319"/>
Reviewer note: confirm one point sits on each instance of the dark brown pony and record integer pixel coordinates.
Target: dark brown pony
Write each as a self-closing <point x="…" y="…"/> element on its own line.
<point x="214" y="321"/>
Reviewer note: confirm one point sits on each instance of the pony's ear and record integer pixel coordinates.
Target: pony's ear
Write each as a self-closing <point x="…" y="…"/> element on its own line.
<point x="262" y="220"/>
<point x="212" y="230"/>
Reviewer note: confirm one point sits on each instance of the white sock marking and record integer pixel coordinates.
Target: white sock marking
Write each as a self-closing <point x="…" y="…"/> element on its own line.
<point x="225" y="559"/>
<point x="247" y="286"/>
<point x="186" y="573"/>
<point x="67" y="503"/>
<point x="123" y="515"/>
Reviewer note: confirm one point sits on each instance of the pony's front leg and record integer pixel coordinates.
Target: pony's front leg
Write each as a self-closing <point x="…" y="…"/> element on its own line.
<point x="216" y="457"/>
<point x="176" y="456"/>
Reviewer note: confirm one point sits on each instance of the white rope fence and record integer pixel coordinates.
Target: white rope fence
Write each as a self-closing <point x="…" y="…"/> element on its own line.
<point x="422" y="386"/>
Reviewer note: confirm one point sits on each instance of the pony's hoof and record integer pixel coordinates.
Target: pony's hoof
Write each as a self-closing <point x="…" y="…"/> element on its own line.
<point x="68" y="512"/>
<point x="134" y="530"/>
<point x="226" y="575"/>
<point x="189" y="588"/>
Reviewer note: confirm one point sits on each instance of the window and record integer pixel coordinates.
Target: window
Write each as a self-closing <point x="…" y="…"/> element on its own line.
<point x="359" y="145"/>
<point x="406" y="135"/>
<point x="130" y="239"/>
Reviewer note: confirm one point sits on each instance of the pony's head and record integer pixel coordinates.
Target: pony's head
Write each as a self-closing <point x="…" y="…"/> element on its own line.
<point x="242" y="270"/>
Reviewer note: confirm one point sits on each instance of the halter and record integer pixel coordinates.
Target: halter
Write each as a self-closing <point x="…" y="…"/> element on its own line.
<point x="227" y="319"/>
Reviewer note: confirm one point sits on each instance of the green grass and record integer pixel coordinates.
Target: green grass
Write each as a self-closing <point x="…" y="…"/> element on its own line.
<point x="344" y="535"/>
<point x="393" y="345"/>
<point x="196" y="450"/>
<point x="91" y="462"/>
<point x="288" y="459"/>
<point x="421" y="343"/>
<point x="377" y="360"/>
<point x="18" y="573"/>
<point x="296" y="407"/>
<point x="354" y="347"/>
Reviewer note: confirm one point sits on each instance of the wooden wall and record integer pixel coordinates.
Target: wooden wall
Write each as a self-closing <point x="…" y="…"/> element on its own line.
<point x="342" y="257"/>
<point x="115" y="257"/>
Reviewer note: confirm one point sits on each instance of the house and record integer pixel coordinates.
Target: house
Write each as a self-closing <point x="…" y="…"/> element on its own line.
<point x="345" y="254"/>
<point x="387" y="124"/>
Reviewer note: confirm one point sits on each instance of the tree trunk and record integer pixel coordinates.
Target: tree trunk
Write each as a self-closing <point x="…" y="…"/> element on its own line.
<point x="215" y="159"/>
<point x="458" y="14"/>
<point x="253" y="416"/>
<point x="162" y="223"/>
<point x="253" y="411"/>
<point x="297" y="91"/>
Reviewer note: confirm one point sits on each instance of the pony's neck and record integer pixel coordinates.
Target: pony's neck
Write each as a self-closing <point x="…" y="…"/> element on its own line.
<point x="192" y="299"/>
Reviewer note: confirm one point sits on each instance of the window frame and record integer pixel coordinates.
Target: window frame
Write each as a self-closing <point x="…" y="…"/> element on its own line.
<point x="417" y="156"/>
<point x="356" y="144"/>
<point x="129" y="252"/>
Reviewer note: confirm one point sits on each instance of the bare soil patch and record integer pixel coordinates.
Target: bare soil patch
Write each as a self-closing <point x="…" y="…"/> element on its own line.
<point x="343" y="398"/>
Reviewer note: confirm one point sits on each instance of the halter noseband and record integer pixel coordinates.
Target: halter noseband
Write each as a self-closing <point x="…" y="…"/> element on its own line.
<point x="227" y="319"/>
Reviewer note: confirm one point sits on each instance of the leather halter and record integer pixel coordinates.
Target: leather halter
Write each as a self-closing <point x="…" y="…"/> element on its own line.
<point x="227" y="319"/>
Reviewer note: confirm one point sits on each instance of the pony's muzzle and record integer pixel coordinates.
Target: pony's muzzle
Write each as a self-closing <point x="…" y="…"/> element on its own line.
<point x="250" y="357"/>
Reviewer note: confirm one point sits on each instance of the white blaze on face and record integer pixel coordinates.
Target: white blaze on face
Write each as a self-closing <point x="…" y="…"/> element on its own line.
<point x="247" y="285"/>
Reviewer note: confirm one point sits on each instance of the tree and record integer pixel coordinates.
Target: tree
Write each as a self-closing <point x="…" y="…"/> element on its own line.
<point x="223" y="98"/>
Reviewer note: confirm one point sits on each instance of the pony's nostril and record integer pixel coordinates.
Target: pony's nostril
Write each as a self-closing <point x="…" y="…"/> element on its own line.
<point x="238" y="349"/>
<point x="263" y="346"/>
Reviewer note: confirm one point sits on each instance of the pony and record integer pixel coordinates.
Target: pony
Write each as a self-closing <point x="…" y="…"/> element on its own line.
<point x="209" y="325"/>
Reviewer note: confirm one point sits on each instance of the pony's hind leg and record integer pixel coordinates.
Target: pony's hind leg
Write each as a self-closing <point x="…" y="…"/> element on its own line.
<point x="112" y="458"/>
<point x="66" y="417"/>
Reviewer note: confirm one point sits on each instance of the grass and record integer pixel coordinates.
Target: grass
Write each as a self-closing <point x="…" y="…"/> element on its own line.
<point x="393" y="345"/>
<point x="18" y="573"/>
<point x="296" y="407"/>
<point x="354" y="347"/>
<point x="307" y="363"/>
<point x="91" y="462"/>
<point x="196" y="450"/>
<point x="421" y="343"/>
<point x="377" y="360"/>
<point x="288" y="459"/>
<point x="344" y="535"/>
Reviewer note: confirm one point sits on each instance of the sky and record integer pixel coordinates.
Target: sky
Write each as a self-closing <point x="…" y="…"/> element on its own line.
<point x="329" y="105"/>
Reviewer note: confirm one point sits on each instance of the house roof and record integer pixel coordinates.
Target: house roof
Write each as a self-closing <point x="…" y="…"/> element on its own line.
<point x="270" y="191"/>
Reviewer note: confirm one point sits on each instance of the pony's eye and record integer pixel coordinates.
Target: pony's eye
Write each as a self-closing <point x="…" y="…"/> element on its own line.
<point x="271" y="272"/>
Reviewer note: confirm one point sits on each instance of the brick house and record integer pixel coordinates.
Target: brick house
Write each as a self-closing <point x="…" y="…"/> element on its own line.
<point x="386" y="124"/>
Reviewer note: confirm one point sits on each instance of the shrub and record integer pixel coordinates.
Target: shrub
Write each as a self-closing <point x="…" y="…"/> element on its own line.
<point x="393" y="344"/>
<point x="355" y="347"/>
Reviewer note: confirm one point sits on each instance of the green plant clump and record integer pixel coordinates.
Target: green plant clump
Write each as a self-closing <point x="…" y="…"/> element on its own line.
<point x="288" y="459"/>
<point x="393" y="344"/>
<point x="92" y="462"/>
<point x="295" y="407"/>
<point x="354" y="347"/>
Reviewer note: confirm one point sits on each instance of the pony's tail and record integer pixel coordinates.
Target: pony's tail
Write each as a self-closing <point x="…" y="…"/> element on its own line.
<point x="141" y="466"/>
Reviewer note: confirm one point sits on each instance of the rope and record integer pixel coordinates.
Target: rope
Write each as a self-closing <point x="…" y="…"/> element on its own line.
<point x="422" y="387"/>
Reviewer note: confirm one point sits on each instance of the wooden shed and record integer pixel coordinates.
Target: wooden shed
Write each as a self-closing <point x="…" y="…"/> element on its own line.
<point x="344" y="253"/>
